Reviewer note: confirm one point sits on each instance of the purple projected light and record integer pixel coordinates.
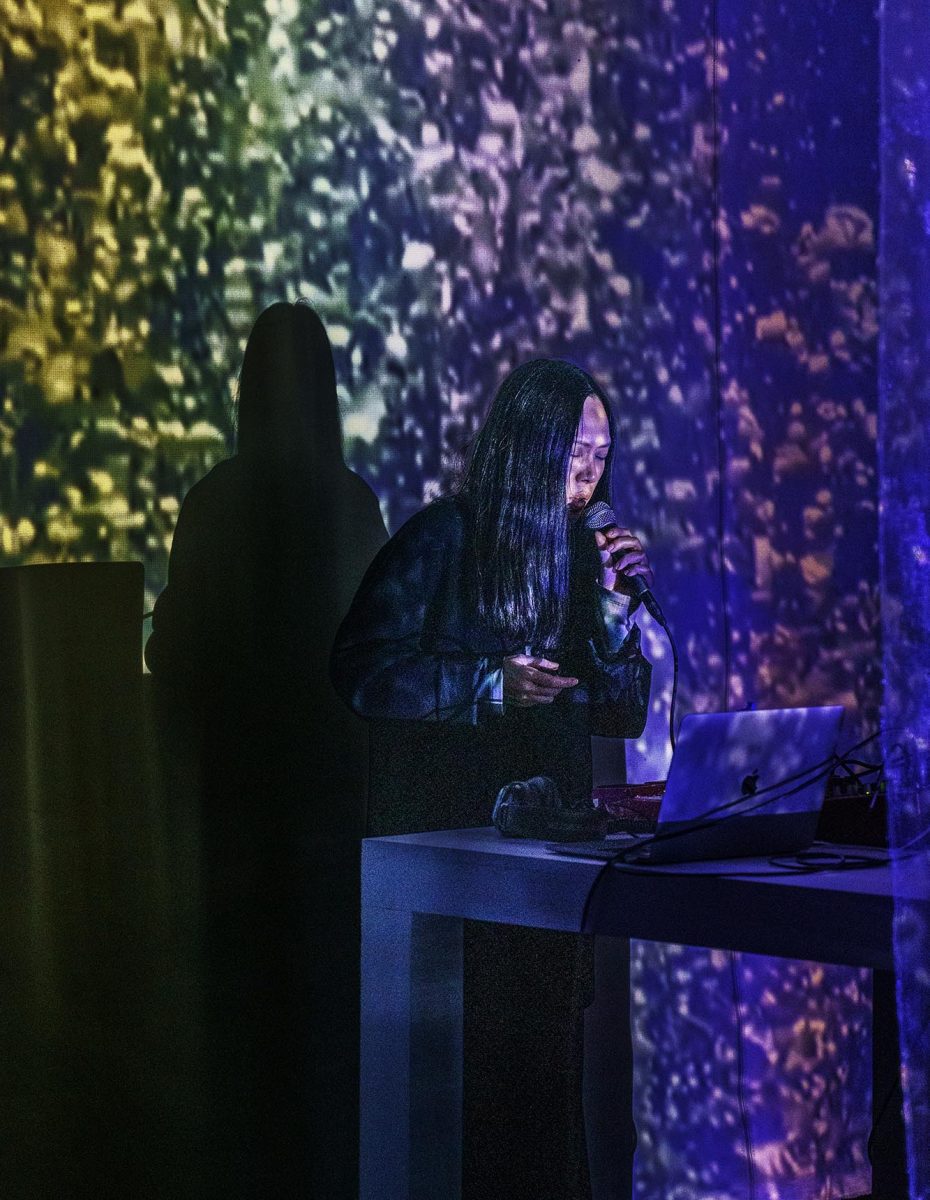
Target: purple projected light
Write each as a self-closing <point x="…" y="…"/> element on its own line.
<point x="904" y="452"/>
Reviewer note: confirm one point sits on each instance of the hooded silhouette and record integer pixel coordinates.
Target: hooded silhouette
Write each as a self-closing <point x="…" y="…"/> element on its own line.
<point x="269" y="549"/>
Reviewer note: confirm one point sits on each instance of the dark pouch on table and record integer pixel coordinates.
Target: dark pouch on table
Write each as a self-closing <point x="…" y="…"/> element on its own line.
<point x="533" y="808"/>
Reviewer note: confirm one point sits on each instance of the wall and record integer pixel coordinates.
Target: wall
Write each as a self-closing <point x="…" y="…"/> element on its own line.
<point x="682" y="198"/>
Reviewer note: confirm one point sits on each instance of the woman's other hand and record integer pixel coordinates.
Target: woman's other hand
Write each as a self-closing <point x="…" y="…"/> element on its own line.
<point x="622" y="555"/>
<point x="529" y="679"/>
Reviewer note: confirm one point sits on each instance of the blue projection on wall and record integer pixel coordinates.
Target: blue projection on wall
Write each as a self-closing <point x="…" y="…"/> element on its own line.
<point x="905" y="522"/>
<point x="680" y="195"/>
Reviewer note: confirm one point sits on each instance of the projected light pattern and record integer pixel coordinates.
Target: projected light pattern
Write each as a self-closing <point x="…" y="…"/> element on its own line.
<point x="456" y="187"/>
<point x="127" y="151"/>
<point x="798" y="193"/>
<point x="905" y="534"/>
<point x="750" y="1110"/>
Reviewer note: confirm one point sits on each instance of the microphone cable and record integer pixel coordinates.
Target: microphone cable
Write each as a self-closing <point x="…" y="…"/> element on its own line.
<point x="809" y="774"/>
<point x="740" y="1067"/>
<point x="701" y="822"/>
<point x="674" y="699"/>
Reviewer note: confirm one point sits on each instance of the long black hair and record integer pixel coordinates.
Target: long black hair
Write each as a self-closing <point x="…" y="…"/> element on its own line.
<point x="514" y="488"/>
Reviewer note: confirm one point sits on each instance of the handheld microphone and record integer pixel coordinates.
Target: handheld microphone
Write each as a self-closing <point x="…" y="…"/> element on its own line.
<point x="600" y="516"/>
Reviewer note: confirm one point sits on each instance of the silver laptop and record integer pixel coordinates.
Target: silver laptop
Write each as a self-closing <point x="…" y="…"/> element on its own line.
<point x="741" y="784"/>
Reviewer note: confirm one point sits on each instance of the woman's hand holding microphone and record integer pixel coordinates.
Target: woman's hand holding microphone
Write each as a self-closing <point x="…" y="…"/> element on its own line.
<point x="622" y="555"/>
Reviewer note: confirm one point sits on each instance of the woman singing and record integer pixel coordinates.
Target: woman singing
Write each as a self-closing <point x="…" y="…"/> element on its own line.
<point x="490" y="637"/>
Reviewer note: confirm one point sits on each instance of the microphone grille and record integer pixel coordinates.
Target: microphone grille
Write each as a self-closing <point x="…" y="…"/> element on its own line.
<point x="599" y="515"/>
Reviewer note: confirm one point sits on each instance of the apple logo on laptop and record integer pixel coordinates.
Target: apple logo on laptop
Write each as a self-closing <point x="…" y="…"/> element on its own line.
<point x="750" y="784"/>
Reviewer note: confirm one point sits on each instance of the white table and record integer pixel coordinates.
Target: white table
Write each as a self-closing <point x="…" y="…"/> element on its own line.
<point x="417" y="890"/>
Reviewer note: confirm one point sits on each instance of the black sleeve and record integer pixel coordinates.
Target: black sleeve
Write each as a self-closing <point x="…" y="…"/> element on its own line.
<point x="388" y="661"/>
<point x="619" y="675"/>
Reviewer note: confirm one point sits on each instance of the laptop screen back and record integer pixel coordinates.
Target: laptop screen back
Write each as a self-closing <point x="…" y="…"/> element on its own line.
<point x="746" y="783"/>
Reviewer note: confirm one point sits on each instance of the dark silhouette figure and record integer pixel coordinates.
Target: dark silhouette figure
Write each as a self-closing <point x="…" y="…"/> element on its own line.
<point x="269" y="549"/>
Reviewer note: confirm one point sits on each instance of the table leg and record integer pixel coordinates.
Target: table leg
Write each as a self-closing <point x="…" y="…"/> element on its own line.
<point x="608" y="1073"/>
<point x="889" y="1159"/>
<point x="411" y="1056"/>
